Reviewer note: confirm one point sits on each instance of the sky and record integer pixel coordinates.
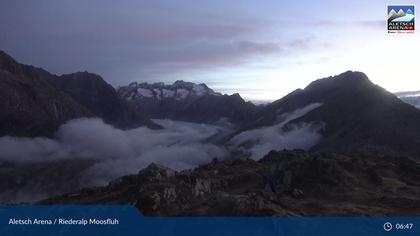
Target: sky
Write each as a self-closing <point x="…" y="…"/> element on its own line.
<point x="260" y="49"/>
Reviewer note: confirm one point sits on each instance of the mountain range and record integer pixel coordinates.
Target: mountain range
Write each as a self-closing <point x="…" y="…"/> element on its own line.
<point x="340" y="146"/>
<point x="102" y="99"/>
<point x="355" y="113"/>
<point x="187" y="101"/>
<point x="37" y="102"/>
<point x="30" y="105"/>
<point x="366" y="161"/>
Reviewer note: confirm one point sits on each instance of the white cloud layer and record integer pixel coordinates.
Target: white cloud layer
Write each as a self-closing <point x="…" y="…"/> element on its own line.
<point x="179" y="145"/>
<point x="258" y="142"/>
<point x="96" y="153"/>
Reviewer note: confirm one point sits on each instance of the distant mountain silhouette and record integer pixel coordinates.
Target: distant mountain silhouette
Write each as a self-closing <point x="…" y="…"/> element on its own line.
<point x="412" y="98"/>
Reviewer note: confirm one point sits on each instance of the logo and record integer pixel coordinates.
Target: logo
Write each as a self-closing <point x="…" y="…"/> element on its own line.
<point x="401" y="19"/>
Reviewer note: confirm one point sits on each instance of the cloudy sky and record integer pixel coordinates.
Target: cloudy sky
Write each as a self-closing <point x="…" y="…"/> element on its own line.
<point x="261" y="49"/>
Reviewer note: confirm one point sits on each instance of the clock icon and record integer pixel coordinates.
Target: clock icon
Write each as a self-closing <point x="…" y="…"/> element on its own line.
<point x="387" y="226"/>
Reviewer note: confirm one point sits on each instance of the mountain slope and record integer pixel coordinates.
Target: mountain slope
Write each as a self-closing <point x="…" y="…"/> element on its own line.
<point x="29" y="105"/>
<point x="101" y="98"/>
<point x="355" y="114"/>
<point x="187" y="101"/>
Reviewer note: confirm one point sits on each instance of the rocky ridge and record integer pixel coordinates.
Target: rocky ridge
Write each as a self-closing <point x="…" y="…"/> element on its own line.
<point x="282" y="183"/>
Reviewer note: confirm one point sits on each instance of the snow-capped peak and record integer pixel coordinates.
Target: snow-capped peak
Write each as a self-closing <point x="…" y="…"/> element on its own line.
<point x="178" y="90"/>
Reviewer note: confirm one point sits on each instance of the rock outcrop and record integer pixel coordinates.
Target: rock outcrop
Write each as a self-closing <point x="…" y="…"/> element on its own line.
<point x="282" y="183"/>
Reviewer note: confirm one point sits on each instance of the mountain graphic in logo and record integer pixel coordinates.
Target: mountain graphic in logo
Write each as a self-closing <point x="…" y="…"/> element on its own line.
<point x="401" y="15"/>
<point x="401" y="18"/>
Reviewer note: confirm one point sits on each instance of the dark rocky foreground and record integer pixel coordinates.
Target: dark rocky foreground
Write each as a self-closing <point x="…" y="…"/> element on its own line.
<point x="282" y="183"/>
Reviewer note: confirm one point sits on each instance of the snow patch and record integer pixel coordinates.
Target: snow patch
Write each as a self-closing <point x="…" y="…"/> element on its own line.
<point x="182" y="93"/>
<point x="168" y="93"/>
<point x="199" y="89"/>
<point x="145" y="92"/>
<point x="158" y="93"/>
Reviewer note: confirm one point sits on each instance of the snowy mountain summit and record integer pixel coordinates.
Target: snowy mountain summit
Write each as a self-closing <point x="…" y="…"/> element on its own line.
<point x="186" y="101"/>
<point x="179" y="90"/>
